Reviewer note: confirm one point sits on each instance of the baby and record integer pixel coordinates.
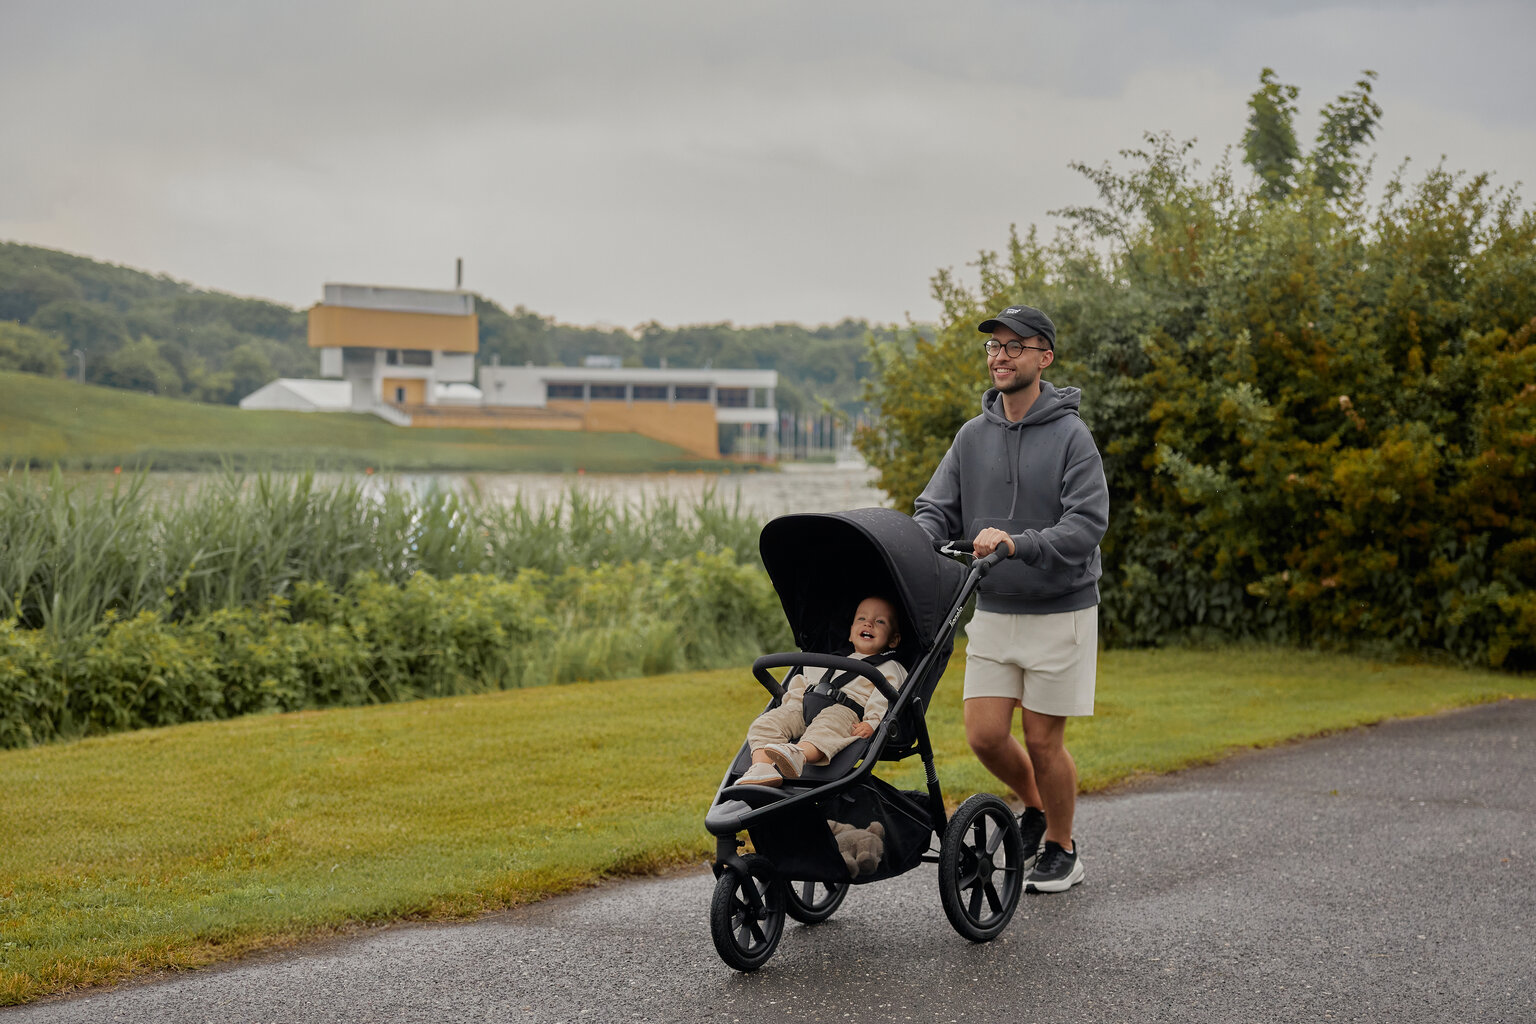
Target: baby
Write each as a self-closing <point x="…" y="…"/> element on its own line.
<point x="825" y="724"/>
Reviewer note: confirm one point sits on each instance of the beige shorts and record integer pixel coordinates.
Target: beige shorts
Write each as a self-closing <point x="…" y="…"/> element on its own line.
<point x="1045" y="662"/>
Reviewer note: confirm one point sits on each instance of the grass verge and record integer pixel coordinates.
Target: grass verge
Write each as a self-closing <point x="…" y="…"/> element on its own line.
<point x="44" y="421"/>
<point x="176" y="847"/>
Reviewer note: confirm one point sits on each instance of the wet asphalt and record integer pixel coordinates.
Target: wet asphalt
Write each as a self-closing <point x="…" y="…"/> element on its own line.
<point x="1384" y="874"/>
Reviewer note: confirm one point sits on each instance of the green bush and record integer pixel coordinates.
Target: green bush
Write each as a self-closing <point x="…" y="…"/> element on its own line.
<point x="375" y="641"/>
<point x="1317" y="416"/>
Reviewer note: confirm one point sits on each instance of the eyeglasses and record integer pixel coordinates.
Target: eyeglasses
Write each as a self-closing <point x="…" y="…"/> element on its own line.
<point x="1013" y="348"/>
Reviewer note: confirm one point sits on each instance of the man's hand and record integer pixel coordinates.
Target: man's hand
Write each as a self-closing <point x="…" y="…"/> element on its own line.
<point x="863" y="730"/>
<point x="988" y="541"/>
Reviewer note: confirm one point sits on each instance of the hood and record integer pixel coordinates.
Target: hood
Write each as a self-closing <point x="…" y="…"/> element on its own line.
<point x="1053" y="404"/>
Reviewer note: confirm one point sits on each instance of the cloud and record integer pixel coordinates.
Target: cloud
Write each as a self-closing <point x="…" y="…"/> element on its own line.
<point x="681" y="161"/>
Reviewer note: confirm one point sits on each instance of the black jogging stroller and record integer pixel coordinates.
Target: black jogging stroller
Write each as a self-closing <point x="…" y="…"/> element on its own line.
<point x="822" y="566"/>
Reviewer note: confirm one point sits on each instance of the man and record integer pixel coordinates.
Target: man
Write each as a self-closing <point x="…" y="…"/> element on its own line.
<point x="1026" y="476"/>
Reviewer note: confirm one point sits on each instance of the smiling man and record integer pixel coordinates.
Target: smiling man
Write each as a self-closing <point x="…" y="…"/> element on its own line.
<point x="1026" y="476"/>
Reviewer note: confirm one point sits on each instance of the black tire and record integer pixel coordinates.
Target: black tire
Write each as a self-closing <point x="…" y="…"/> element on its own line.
<point x="813" y="902"/>
<point x="746" y="917"/>
<point x="981" y="868"/>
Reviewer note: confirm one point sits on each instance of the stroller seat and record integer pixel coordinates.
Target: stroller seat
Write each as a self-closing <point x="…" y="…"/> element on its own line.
<point x="841" y="763"/>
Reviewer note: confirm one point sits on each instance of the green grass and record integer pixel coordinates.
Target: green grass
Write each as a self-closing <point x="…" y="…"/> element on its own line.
<point x="181" y="846"/>
<point x="45" y="422"/>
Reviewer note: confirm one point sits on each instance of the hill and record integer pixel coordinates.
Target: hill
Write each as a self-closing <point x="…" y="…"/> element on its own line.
<point x="144" y="332"/>
<point x="45" y="421"/>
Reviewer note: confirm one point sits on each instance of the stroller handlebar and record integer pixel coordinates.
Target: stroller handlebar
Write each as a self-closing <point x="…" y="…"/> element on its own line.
<point x="965" y="547"/>
<point x="806" y="659"/>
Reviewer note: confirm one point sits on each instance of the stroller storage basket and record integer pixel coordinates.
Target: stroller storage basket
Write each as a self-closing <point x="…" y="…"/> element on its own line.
<point x="802" y="846"/>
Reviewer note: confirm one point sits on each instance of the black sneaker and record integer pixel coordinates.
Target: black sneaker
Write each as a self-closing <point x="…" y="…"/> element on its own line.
<point x="1056" y="870"/>
<point x="1031" y="828"/>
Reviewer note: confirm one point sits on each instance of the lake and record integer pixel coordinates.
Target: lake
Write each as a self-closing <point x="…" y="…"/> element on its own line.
<point x="795" y="487"/>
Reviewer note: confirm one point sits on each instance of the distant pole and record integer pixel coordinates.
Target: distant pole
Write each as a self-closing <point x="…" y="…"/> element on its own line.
<point x="458" y="274"/>
<point x="80" y="355"/>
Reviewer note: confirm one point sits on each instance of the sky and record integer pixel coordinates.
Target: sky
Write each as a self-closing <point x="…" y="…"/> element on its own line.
<point x="684" y="162"/>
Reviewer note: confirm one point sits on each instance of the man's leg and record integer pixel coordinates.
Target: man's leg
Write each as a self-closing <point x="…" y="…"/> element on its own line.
<point x="989" y="731"/>
<point x="1055" y="773"/>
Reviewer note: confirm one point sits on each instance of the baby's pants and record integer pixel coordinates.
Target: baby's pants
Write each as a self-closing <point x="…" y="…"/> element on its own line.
<point x="830" y="731"/>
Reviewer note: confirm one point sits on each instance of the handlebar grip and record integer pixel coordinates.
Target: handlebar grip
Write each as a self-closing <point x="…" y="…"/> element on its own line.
<point x="987" y="563"/>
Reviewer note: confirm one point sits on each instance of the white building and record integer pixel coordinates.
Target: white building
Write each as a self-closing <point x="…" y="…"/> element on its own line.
<point x="697" y="409"/>
<point x="296" y="395"/>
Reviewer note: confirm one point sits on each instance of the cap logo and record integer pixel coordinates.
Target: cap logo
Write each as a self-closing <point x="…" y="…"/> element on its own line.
<point x="1014" y="309"/>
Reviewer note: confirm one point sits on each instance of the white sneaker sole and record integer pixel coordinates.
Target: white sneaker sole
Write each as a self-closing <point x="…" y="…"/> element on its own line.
<point x="782" y="761"/>
<point x="749" y="779"/>
<point x="1058" y="884"/>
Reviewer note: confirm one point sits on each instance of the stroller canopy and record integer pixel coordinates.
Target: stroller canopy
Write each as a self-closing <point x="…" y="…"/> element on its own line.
<point x="824" y="564"/>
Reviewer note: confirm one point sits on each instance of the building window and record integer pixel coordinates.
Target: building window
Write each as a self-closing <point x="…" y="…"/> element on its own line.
<point x="392" y="357"/>
<point x="399" y="396"/>
<point x="733" y="398"/>
<point x="416" y="357"/>
<point x="650" y="392"/>
<point x="564" y="391"/>
<point x="692" y="393"/>
<point x="608" y="391"/>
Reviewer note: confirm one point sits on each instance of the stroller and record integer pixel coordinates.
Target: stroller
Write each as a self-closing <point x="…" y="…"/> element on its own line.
<point x="822" y="565"/>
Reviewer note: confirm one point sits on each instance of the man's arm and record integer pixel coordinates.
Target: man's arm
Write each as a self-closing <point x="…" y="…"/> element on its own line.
<point x="1084" y="515"/>
<point x="937" y="509"/>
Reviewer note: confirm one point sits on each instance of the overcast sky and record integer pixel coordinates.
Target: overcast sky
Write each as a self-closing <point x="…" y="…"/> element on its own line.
<point x="608" y="162"/>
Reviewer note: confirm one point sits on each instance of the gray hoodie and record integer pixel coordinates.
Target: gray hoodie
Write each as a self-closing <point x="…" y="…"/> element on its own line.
<point x="1041" y="480"/>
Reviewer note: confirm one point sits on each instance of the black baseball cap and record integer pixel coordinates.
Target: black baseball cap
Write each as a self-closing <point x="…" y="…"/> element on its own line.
<point x="1025" y="321"/>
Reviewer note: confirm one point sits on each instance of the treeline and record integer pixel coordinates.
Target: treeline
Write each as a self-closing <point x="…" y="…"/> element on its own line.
<point x="1317" y="413"/>
<point x="146" y="333"/>
<point x="141" y="332"/>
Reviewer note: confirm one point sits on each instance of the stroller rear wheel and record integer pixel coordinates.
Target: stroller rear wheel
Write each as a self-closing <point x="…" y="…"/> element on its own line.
<point x="813" y="902"/>
<point x="746" y="916"/>
<point x="981" y="868"/>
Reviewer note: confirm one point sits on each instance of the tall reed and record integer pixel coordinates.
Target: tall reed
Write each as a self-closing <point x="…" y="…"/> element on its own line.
<point x="72" y="554"/>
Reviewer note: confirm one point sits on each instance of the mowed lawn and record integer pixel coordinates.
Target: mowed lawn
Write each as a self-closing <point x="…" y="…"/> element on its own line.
<point x="180" y="846"/>
<point x="46" y="421"/>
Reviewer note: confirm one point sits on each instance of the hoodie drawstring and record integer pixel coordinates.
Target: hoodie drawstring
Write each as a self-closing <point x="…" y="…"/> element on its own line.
<point x="1015" y="442"/>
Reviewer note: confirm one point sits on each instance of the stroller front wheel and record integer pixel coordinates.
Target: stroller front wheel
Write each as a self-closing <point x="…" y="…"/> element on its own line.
<point x="981" y="868"/>
<point x="813" y="902"/>
<point x="746" y="916"/>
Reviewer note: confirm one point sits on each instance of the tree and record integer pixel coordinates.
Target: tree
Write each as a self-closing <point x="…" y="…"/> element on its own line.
<point x="1349" y="122"/>
<point x="30" y="351"/>
<point x="1269" y="144"/>
<point x="139" y="366"/>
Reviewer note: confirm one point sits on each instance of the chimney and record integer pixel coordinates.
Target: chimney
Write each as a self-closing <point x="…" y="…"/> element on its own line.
<point x="458" y="274"/>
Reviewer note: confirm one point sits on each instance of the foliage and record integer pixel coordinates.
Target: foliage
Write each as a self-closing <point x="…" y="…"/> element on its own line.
<point x="71" y="555"/>
<point x="374" y="641"/>
<point x="1317" y="417"/>
<point x="29" y="350"/>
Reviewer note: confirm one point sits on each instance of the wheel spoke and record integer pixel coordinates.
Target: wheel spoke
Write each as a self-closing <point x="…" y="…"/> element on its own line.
<point x="754" y="929"/>
<point x="979" y="830"/>
<point x="808" y="894"/>
<point x="992" y="898"/>
<point x="996" y="840"/>
<point x="976" y="904"/>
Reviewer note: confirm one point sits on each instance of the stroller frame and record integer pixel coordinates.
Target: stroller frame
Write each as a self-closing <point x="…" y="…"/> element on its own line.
<point x="796" y="870"/>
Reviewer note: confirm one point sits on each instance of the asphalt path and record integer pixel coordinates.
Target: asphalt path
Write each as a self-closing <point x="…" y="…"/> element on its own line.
<point x="1385" y="874"/>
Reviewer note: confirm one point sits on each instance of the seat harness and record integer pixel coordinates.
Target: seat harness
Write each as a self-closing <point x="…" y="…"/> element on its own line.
<point x="829" y="690"/>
